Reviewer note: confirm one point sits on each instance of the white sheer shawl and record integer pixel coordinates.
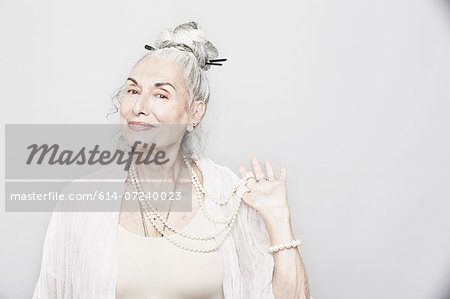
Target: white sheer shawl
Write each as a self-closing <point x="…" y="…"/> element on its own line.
<point x="80" y="259"/>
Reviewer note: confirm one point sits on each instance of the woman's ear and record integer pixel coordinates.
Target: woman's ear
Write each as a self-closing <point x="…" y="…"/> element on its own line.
<point x="198" y="111"/>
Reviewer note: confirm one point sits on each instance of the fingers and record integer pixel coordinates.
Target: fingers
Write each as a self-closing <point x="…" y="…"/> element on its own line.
<point x="269" y="171"/>
<point x="283" y="173"/>
<point x="243" y="171"/>
<point x="259" y="174"/>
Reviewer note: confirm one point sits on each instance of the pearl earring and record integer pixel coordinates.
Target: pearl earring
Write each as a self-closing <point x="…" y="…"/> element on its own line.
<point x="190" y="127"/>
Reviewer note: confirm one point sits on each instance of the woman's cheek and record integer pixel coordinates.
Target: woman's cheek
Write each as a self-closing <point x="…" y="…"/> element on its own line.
<point x="125" y="107"/>
<point x="170" y="115"/>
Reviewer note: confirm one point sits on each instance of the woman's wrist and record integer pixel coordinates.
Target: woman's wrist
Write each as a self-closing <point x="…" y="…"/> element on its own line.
<point x="278" y="225"/>
<point x="280" y="232"/>
<point x="273" y="216"/>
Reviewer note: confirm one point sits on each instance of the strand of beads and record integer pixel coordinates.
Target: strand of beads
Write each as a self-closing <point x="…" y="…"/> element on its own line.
<point x="225" y="220"/>
<point x="171" y="240"/>
<point x="197" y="183"/>
<point x="290" y="244"/>
<point x="137" y="186"/>
<point x="237" y="194"/>
<point x="181" y="233"/>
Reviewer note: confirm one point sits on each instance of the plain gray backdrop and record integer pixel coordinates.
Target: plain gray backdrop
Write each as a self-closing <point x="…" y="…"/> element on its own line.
<point x="352" y="96"/>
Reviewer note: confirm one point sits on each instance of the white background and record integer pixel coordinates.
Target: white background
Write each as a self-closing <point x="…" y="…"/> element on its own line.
<point x="353" y="96"/>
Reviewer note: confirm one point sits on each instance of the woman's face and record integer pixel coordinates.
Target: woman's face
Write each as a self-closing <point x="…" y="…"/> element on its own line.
<point x="156" y="93"/>
<point x="155" y="99"/>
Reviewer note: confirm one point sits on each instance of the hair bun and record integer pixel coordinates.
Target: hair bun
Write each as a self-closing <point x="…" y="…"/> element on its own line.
<point x="191" y="35"/>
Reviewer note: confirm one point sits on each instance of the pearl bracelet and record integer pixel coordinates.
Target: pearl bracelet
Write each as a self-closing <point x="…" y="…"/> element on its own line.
<point x="291" y="244"/>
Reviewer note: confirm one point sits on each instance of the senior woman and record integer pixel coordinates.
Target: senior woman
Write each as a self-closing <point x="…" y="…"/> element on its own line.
<point x="235" y="240"/>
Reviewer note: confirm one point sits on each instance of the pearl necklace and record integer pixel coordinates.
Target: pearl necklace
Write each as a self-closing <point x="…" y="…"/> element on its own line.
<point x="237" y="194"/>
<point x="239" y="190"/>
<point x="137" y="186"/>
<point x="200" y="188"/>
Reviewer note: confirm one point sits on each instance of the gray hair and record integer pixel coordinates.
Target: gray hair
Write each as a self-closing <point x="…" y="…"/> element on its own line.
<point x="187" y="45"/>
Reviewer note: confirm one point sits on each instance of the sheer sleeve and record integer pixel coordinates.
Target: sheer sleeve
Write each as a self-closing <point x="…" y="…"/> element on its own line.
<point x="79" y="253"/>
<point x="248" y="259"/>
<point x="46" y="286"/>
<point x="252" y="241"/>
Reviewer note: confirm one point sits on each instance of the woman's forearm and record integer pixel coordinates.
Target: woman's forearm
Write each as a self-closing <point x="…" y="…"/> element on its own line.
<point x="289" y="278"/>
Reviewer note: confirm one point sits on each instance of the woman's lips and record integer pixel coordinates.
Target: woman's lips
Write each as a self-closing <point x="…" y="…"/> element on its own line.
<point x="139" y="126"/>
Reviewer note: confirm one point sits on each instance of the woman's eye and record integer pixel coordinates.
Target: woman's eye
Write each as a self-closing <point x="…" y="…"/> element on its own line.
<point x="161" y="96"/>
<point x="132" y="91"/>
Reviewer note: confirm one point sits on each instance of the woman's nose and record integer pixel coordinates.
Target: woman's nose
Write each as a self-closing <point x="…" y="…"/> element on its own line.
<point x="141" y="105"/>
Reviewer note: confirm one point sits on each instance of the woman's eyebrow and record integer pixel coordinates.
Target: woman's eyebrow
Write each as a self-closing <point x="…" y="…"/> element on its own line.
<point x="133" y="80"/>
<point x="157" y="84"/>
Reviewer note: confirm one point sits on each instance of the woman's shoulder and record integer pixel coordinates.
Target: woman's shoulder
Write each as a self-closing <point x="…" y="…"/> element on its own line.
<point x="211" y="163"/>
<point x="213" y="169"/>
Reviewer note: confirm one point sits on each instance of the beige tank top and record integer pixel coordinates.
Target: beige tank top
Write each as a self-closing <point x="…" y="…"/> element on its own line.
<point x="154" y="268"/>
